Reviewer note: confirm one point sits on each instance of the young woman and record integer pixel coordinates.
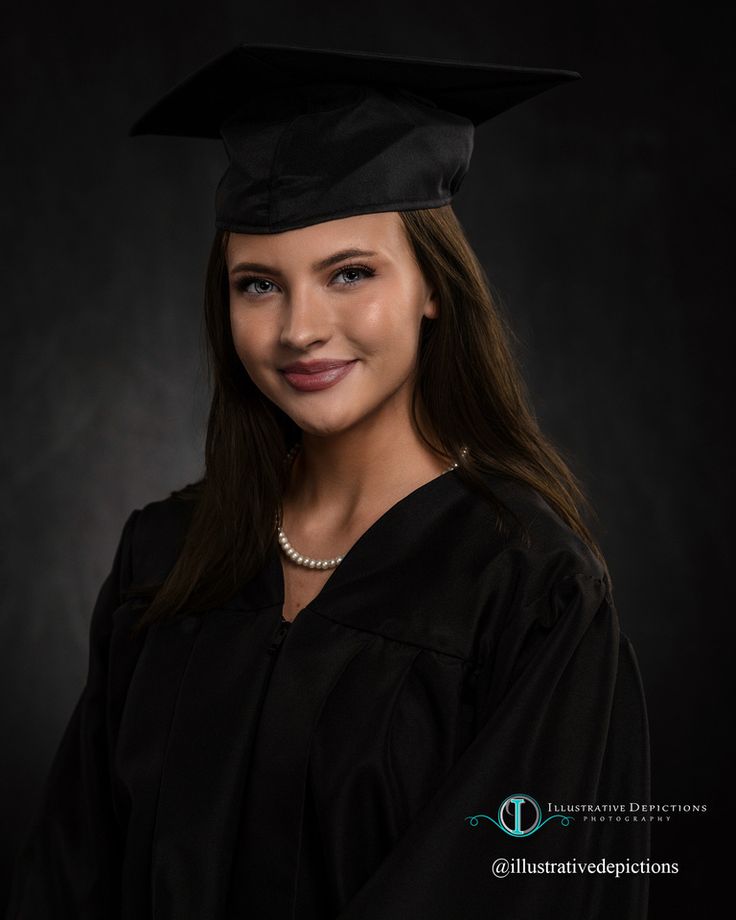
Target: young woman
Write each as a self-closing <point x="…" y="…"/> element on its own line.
<point x="369" y="666"/>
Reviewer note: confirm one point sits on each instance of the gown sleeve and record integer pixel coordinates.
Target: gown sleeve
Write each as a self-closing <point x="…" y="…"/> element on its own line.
<point x="69" y="863"/>
<point x="562" y="719"/>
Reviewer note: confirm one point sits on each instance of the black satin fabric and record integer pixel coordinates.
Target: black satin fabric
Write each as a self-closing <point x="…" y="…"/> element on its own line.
<point x="231" y="766"/>
<point x="313" y="134"/>
<point x="357" y="151"/>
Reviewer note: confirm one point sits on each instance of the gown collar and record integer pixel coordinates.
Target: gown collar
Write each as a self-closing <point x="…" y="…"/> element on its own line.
<point x="418" y="527"/>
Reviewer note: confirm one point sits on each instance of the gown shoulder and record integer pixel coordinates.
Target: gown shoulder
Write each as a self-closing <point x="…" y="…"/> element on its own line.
<point x="552" y="542"/>
<point x="160" y="528"/>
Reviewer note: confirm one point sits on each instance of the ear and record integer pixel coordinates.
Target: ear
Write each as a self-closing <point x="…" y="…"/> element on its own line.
<point x="431" y="304"/>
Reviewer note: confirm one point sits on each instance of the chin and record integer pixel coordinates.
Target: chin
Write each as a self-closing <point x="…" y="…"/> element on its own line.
<point x="326" y="420"/>
<point x="323" y="428"/>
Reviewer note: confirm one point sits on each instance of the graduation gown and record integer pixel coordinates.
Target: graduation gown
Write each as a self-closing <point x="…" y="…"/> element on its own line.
<point x="236" y="765"/>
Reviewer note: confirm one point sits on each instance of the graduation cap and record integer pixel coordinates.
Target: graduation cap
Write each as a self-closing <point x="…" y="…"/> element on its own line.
<point x="315" y="134"/>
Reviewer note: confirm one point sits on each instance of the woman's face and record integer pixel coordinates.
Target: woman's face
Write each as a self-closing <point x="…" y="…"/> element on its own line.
<point x="345" y="290"/>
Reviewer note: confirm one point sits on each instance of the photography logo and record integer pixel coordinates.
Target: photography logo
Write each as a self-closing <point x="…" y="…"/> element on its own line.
<point x="519" y="816"/>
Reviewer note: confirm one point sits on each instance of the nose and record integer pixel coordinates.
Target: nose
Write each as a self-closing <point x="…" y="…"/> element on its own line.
<point x="306" y="319"/>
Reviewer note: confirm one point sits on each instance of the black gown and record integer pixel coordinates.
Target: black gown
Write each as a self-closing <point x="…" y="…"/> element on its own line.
<point x="234" y="765"/>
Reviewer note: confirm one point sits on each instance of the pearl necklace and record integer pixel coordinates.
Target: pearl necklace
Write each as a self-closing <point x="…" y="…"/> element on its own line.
<point x="307" y="561"/>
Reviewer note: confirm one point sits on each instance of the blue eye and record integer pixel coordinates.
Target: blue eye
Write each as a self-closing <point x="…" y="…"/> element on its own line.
<point x="242" y="284"/>
<point x="362" y="270"/>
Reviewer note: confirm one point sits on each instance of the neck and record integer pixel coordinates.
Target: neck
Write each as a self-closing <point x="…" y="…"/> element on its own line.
<point x="350" y="474"/>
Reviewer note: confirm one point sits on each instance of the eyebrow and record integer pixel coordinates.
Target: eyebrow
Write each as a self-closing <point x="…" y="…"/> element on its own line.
<point x="318" y="266"/>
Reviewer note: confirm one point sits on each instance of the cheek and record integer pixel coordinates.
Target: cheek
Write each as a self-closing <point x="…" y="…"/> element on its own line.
<point x="251" y="336"/>
<point x="388" y="328"/>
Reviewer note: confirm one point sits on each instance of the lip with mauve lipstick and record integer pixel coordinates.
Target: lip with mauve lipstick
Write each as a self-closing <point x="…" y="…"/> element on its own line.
<point x="317" y="375"/>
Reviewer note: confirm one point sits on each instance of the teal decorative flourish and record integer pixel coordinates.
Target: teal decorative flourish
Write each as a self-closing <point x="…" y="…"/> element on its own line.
<point x="564" y="820"/>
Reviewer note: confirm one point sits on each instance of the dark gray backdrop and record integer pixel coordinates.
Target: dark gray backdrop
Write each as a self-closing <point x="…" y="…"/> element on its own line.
<point x="600" y="213"/>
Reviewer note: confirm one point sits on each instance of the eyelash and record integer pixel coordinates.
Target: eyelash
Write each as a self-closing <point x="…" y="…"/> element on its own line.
<point x="242" y="283"/>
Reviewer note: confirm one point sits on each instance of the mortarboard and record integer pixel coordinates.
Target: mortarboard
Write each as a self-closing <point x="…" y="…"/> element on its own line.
<point x="315" y="134"/>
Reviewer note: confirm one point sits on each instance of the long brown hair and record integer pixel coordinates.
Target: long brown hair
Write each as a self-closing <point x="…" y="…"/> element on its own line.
<point x="468" y="388"/>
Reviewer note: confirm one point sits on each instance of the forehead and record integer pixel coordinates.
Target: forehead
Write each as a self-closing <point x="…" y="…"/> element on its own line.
<point x="381" y="232"/>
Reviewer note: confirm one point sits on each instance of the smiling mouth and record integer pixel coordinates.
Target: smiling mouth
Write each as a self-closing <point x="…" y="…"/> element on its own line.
<point x="308" y="381"/>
